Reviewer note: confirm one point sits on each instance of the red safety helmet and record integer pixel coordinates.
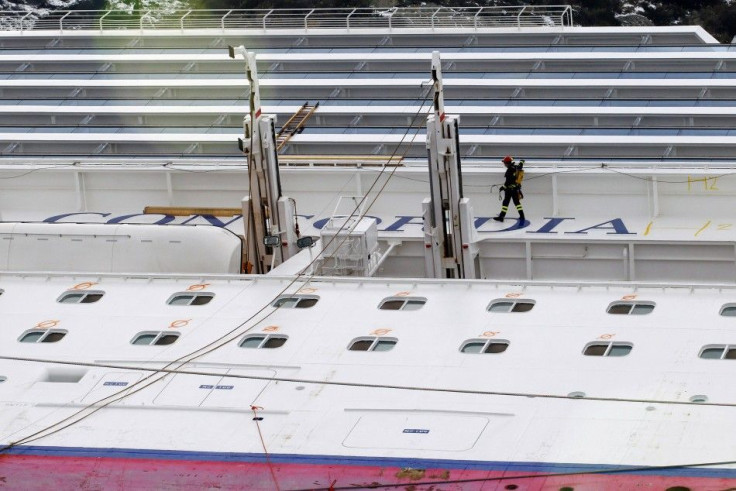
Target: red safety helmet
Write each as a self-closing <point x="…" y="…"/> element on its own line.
<point x="507" y="159"/>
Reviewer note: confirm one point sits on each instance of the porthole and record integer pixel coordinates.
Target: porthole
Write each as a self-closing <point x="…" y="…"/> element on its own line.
<point x="402" y="303"/>
<point x="372" y="343"/>
<point x="630" y="308"/>
<point x="484" y="346"/>
<point x="189" y="298"/>
<point x="295" y="301"/>
<point x="515" y="305"/>
<point x="154" y="338"/>
<point x="607" y="349"/>
<point x="80" y="296"/>
<point x="263" y="341"/>
<point x="42" y="336"/>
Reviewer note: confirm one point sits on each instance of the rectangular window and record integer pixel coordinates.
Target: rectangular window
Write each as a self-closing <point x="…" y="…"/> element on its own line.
<point x="188" y="298"/>
<point x="630" y="308"/>
<point x="80" y="296"/>
<point x="402" y="303"/>
<point x="488" y="346"/>
<point x="509" y="305"/>
<point x="372" y="343"/>
<point x="155" y="338"/>
<point x="295" y="302"/>
<point x="607" y="349"/>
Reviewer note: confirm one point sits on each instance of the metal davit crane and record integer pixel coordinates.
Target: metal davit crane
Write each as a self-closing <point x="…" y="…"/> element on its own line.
<point x="269" y="218"/>
<point x="449" y="243"/>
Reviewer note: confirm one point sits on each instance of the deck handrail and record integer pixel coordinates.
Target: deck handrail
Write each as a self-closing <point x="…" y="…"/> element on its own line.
<point x="293" y="19"/>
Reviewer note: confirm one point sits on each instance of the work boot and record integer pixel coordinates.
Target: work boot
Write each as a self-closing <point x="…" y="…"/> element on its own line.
<point x="499" y="218"/>
<point x="521" y="217"/>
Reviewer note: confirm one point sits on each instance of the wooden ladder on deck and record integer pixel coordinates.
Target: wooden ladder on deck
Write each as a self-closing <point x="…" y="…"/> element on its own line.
<point x="295" y="124"/>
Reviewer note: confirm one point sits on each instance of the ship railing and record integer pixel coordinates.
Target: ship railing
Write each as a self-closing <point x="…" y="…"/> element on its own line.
<point x="292" y="19"/>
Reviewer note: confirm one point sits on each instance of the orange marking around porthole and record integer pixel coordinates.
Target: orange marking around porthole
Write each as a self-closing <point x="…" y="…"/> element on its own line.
<point x="83" y="286"/>
<point x="381" y="332"/>
<point x="179" y="323"/>
<point x="628" y="297"/>
<point x="197" y="287"/>
<point x="47" y="324"/>
<point x="489" y="334"/>
<point x="512" y="295"/>
<point x="402" y="294"/>
<point x="606" y="336"/>
<point x="307" y="290"/>
<point x="271" y="329"/>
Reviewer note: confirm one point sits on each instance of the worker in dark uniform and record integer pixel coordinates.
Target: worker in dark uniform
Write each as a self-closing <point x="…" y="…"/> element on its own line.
<point x="511" y="188"/>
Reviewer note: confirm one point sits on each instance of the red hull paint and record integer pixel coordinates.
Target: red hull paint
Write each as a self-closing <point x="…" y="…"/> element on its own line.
<point x="52" y="472"/>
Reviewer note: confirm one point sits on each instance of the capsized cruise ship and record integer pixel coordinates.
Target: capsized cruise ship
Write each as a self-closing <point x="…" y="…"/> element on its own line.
<point x="255" y="250"/>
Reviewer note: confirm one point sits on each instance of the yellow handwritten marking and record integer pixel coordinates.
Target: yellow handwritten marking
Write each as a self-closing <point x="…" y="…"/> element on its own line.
<point x="707" y="224"/>
<point x="724" y="226"/>
<point x="712" y="186"/>
<point x="649" y="227"/>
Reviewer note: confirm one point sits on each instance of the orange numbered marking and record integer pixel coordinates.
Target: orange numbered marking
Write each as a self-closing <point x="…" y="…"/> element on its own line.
<point x="628" y="297"/>
<point x="512" y="295"/>
<point x="307" y="290"/>
<point x="489" y="334"/>
<point x="179" y="323"/>
<point x="83" y="286"/>
<point x="381" y="332"/>
<point x="606" y="336"/>
<point x="271" y="329"/>
<point x="402" y="294"/>
<point x="47" y="324"/>
<point x="197" y="287"/>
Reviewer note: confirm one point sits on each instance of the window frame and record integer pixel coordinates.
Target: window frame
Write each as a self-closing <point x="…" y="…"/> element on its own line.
<point x="487" y="342"/>
<point x="405" y="300"/>
<point x="609" y="346"/>
<point x="159" y="335"/>
<point x="46" y="333"/>
<point x="266" y="337"/>
<point x="514" y="302"/>
<point x="375" y="340"/>
<point x="633" y="304"/>
<point x="299" y="299"/>
<point x="724" y="347"/>
<point x="730" y="305"/>
<point x="191" y="303"/>
<point x="84" y="294"/>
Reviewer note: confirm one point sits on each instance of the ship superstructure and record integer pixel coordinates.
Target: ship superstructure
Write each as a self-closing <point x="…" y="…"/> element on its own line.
<point x="589" y="347"/>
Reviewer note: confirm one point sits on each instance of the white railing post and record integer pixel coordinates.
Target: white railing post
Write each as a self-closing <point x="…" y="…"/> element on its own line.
<point x="61" y="22"/>
<point x="21" y="21"/>
<point x="181" y="21"/>
<point x="106" y="14"/>
<point x="222" y="19"/>
<point x="306" y="25"/>
<point x="518" y="17"/>
<point x="347" y="21"/>
<point x="475" y="18"/>
<point x="264" y="19"/>
<point x="432" y="18"/>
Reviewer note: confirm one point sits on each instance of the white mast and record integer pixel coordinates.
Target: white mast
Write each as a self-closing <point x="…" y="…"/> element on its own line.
<point x="269" y="218"/>
<point x="450" y="251"/>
